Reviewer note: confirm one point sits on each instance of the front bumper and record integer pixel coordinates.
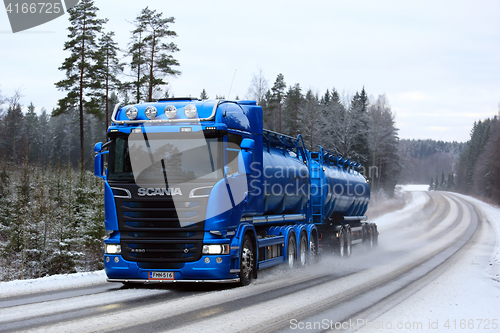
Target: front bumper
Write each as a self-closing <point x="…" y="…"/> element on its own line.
<point x="120" y="270"/>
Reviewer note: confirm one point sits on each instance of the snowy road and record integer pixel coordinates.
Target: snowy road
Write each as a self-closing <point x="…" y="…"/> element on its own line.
<point x="436" y="266"/>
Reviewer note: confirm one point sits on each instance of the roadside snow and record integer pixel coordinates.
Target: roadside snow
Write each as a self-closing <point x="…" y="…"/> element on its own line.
<point x="414" y="205"/>
<point x="412" y="187"/>
<point x="492" y="215"/>
<point x="464" y="298"/>
<point x="50" y="283"/>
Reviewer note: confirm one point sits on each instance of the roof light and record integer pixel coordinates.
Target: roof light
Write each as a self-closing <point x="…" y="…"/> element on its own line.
<point x="151" y="112"/>
<point x="190" y="110"/>
<point x="131" y="113"/>
<point x="170" y="111"/>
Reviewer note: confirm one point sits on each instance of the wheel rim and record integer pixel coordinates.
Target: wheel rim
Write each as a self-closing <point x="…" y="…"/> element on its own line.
<point x="291" y="252"/>
<point x="246" y="262"/>
<point x="303" y="250"/>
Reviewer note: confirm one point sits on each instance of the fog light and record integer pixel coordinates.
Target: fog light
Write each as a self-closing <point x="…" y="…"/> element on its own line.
<point x="117" y="259"/>
<point x="150" y="112"/>
<point x="170" y="111"/>
<point x="207" y="260"/>
<point x="107" y="259"/>
<point x="131" y="113"/>
<point x="218" y="260"/>
<point x="190" y="110"/>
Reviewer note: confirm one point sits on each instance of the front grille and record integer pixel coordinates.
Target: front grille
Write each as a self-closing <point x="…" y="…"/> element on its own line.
<point x="154" y="232"/>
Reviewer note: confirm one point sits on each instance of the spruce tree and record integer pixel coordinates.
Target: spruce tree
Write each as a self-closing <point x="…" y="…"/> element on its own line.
<point x="82" y="67"/>
<point x="278" y="95"/>
<point x="293" y="102"/>
<point x="203" y="94"/>
<point x="359" y="106"/>
<point x="32" y="133"/>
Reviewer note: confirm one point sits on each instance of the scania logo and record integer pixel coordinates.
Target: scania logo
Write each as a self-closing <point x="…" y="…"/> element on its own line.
<point x="151" y="192"/>
<point x="138" y="250"/>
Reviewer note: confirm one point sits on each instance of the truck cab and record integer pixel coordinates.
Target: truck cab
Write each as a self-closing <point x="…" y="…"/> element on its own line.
<point x="176" y="189"/>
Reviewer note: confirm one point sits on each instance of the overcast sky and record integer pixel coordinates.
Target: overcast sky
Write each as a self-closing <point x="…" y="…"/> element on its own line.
<point x="438" y="62"/>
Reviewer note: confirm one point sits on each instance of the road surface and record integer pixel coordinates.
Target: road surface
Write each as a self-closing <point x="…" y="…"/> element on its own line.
<point x="422" y="249"/>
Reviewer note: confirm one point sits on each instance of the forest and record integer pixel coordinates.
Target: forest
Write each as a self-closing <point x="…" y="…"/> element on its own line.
<point x="51" y="205"/>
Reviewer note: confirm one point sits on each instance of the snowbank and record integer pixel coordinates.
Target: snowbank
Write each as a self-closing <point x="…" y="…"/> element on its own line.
<point x="50" y="283"/>
<point x="412" y="187"/>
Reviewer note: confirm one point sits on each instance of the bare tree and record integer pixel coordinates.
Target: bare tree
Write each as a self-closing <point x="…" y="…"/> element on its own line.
<point x="258" y="87"/>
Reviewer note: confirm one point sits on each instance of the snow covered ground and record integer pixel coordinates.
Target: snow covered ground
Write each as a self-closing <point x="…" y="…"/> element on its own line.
<point x="466" y="297"/>
<point x="51" y="283"/>
<point x="465" y="293"/>
<point x="412" y="187"/>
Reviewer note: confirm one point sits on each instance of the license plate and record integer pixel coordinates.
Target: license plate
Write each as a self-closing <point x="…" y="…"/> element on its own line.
<point x="161" y="275"/>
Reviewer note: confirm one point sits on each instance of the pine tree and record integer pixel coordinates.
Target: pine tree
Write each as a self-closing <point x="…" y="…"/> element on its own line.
<point x="13" y="138"/>
<point x="111" y="67"/>
<point x="151" y="57"/>
<point x="269" y="111"/>
<point x="82" y="66"/>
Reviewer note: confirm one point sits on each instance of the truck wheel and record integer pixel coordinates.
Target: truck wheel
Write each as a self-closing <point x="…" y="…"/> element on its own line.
<point x="341" y="243"/>
<point x="371" y="241"/>
<point x="291" y="251"/>
<point x="313" y="250"/>
<point x="246" y="261"/>
<point x="348" y="243"/>
<point x="303" y="249"/>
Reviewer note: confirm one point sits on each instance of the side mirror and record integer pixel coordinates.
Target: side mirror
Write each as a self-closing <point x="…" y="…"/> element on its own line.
<point x="245" y="156"/>
<point x="98" y="165"/>
<point x="98" y="147"/>
<point x="99" y="161"/>
<point x="247" y="144"/>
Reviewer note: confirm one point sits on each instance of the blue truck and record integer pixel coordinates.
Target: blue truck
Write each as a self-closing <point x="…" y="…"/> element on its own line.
<point x="197" y="191"/>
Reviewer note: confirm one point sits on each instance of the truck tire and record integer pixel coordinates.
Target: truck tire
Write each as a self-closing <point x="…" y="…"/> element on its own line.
<point x="291" y="250"/>
<point x="348" y="243"/>
<point x="341" y="246"/>
<point x="303" y="249"/>
<point x="247" y="259"/>
<point x="371" y="237"/>
<point x="313" y="249"/>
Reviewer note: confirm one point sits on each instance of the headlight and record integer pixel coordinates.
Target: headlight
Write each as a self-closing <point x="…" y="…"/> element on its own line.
<point x="170" y="111"/>
<point x="190" y="110"/>
<point x="131" y="113"/>
<point x="112" y="248"/>
<point x="216" y="249"/>
<point x="151" y="112"/>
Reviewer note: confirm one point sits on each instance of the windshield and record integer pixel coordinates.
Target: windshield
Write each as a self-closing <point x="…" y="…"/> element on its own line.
<point x="164" y="160"/>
